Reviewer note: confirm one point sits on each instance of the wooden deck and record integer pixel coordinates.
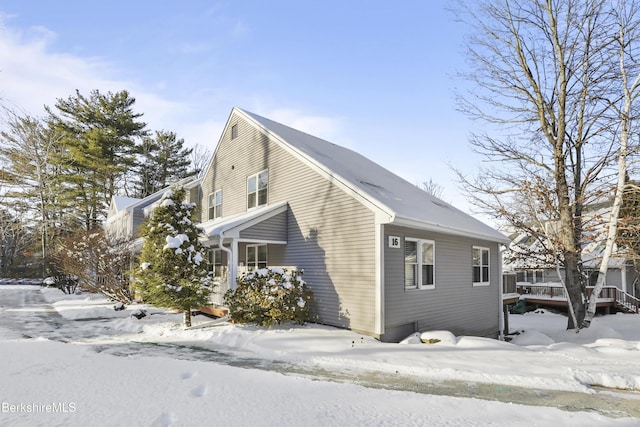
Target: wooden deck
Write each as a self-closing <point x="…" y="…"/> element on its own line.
<point x="552" y="295"/>
<point x="214" y="311"/>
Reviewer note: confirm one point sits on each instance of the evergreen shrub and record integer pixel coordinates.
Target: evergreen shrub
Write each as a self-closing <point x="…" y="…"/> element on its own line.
<point x="269" y="296"/>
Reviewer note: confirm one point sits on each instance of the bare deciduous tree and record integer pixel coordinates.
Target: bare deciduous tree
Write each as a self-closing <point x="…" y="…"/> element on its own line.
<point x="624" y="108"/>
<point x="200" y="157"/>
<point x="98" y="262"/>
<point x="433" y="188"/>
<point x="542" y="74"/>
<point x="31" y="170"/>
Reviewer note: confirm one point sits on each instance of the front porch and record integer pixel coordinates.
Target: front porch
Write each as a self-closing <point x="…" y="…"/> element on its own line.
<point x="244" y="242"/>
<point x="222" y="284"/>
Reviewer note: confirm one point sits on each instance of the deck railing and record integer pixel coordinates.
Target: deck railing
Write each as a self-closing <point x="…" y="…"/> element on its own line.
<point x="542" y="290"/>
<point x="630" y="302"/>
<point x="610" y="293"/>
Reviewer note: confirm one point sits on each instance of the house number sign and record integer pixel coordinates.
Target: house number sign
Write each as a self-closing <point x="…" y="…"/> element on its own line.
<point x="394" y="241"/>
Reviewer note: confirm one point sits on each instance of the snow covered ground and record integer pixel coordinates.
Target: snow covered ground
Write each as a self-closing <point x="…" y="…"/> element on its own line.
<point x="45" y="382"/>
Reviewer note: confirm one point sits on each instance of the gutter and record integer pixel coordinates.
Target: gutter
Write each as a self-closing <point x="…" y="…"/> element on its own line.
<point x="441" y="228"/>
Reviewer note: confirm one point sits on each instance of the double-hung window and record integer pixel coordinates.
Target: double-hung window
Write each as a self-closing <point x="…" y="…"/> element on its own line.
<point x="256" y="257"/>
<point x="531" y="276"/>
<point x="480" y="266"/>
<point x="215" y="262"/>
<point x="257" y="187"/>
<point x="419" y="264"/>
<point x="215" y="205"/>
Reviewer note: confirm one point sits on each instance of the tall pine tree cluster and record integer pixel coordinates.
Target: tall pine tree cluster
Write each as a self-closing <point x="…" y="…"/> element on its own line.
<point x="172" y="270"/>
<point x="99" y="148"/>
<point x="163" y="159"/>
<point x="59" y="172"/>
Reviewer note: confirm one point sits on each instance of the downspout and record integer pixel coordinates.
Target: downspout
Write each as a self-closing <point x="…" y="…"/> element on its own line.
<point x="501" y="308"/>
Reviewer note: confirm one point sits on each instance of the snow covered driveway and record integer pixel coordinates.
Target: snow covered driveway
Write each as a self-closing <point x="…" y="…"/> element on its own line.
<point x="57" y="383"/>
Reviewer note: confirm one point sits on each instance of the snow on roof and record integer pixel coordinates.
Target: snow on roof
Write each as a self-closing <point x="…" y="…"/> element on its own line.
<point x="593" y="252"/>
<point x="235" y="223"/>
<point x="186" y="183"/>
<point x="122" y="202"/>
<point x="403" y="202"/>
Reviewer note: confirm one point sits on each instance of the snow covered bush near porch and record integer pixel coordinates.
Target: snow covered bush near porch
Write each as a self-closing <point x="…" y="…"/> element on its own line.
<point x="268" y="296"/>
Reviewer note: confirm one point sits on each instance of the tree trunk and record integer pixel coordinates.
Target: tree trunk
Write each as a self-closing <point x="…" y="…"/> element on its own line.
<point x="575" y="289"/>
<point x="567" y="235"/>
<point x="625" y="114"/>
<point x="187" y="318"/>
<point x="611" y="237"/>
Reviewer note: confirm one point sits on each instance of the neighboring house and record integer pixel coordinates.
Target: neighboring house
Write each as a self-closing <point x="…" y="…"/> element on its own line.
<point x="537" y="270"/>
<point x="120" y="221"/>
<point x="539" y="280"/>
<point x="382" y="257"/>
<point x="126" y="214"/>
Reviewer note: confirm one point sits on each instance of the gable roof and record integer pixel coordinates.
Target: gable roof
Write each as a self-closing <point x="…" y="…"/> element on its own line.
<point x="381" y="190"/>
<point x="121" y="202"/>
<point x="232" y="225"/>
<point x="187" y="183"/>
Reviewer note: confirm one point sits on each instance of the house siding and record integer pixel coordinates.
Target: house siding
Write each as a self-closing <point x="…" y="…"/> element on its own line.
<point x="138" y="220"/>
<point x="138" y="214"/>
<point x="455" y="304"/>
<point x="329" y="234"/>
<point x="274" y="228"/>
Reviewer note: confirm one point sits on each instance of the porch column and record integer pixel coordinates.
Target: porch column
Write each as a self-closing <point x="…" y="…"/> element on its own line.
<point x="503" y="312"/>
<point x="233" y="264"/>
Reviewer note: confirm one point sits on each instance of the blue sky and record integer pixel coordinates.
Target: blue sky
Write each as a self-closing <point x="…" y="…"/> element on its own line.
<point x="374" y="76"/>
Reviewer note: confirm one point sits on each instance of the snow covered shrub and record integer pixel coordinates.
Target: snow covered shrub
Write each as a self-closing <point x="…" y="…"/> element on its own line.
<point x="67" y="284"/>
<point x="269" y="296"/>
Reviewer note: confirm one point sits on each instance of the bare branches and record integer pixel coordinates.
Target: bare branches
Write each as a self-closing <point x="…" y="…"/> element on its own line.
<point x="98" y="262"/>
<point x="545" y="74"/>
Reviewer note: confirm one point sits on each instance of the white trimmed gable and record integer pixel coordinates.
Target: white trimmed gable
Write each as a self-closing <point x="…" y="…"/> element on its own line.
<point x="393" y="199"/>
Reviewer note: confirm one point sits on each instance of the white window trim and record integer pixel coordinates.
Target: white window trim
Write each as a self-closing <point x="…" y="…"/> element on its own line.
<point x="215" y="207"/>
<point x="256" y="176"/>
<point x="419" y="258"/>
<point x="481" y="248"/>
<point x="255" y="266"/>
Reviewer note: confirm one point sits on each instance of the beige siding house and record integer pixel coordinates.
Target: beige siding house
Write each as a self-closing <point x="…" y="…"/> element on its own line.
<point x="127" y="214"/>
<point x="382" y="257"/>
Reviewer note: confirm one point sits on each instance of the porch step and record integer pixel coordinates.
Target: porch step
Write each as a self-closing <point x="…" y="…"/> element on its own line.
<point x="626" y="308"/>
<point x="214" y="311"/>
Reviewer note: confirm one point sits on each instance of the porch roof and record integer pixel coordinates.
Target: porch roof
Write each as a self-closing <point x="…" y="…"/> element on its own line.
<point x="232" y="225"/>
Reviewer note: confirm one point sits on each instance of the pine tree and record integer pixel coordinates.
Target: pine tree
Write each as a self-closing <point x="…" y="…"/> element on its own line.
<point x="173" y="271"/>
<point x="163" y="160"/>
<point x="100" y="133"/>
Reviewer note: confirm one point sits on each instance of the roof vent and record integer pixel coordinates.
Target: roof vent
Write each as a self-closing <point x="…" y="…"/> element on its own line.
<point x="441" y="204"/>
<point x="369" y="184"/>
